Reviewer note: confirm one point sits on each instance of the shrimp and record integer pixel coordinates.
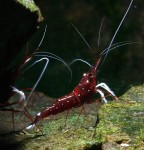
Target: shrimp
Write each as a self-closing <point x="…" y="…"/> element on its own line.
<point x="87" y="86"/>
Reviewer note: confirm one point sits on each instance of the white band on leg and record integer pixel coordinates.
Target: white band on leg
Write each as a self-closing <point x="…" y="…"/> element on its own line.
<point x="103" y="85"/>
<point x="102" y="95"/>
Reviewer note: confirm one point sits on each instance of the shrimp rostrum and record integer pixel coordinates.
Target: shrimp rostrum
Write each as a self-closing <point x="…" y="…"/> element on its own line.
<point x="86" y="88"/>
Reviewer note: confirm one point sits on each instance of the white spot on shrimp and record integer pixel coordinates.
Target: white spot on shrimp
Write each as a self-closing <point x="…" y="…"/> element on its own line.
<point x="84" y="74"/>
<point x="78" y="94"/>
<point x="87" y="81"/>
<point x="88" y="90"/>
<point x="39" y="114"/>
<point x="68" y="101"/>
<point x="82" y="88"/>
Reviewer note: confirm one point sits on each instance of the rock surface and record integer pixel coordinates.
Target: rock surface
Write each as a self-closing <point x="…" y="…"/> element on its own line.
<point x="122" y="123"/>
<point x="18" y="22"/>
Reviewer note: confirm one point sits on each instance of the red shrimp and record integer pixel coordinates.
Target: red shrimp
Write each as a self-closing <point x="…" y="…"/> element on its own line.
<point x="87" y="86"/>
<point x="81" y="94"/>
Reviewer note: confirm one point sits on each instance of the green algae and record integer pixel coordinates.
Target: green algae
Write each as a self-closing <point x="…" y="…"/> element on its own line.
<point x="30" y="5"/>
<point x="123" y="121"/>
<point x="71" y="133"/>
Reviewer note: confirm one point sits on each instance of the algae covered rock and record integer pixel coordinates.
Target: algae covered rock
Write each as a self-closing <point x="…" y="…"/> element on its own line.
<point x="120" y="126"/>
<point x="18" y="22"/>
<point x="122" y="123"/>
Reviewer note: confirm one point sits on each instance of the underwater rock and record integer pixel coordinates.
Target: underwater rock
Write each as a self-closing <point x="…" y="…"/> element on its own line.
<point x="121" y="123"/>
<point x="19" y="19"/>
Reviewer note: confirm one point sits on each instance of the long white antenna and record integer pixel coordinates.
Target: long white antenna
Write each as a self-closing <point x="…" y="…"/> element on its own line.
<point x="42" y="37"/>
<point x="117" y="31"/>
<point x="46" y="64"/>
<point x="81" y="36"/>
<point x="81" y="61"/>
<point x="99" y="35"/>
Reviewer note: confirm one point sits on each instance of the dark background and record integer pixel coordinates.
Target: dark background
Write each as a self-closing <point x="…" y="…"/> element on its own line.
<point x="123" y="67"/>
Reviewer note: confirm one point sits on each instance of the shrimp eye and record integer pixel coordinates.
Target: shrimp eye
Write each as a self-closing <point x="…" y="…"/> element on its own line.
<point x="90" y="75"/>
